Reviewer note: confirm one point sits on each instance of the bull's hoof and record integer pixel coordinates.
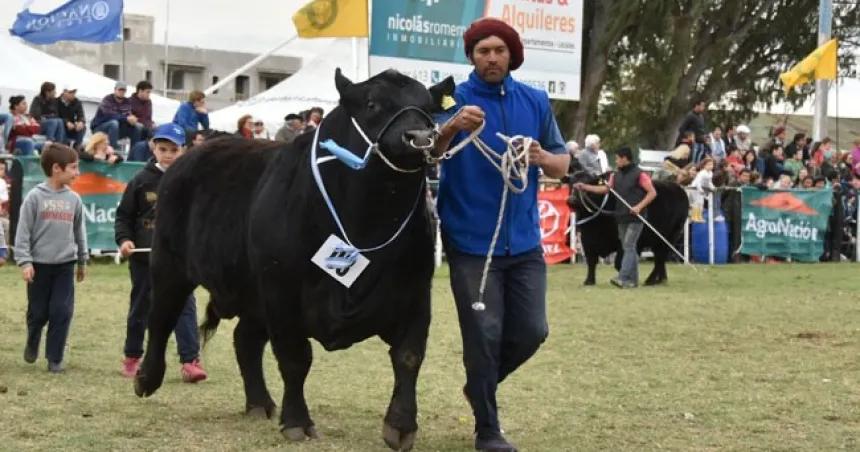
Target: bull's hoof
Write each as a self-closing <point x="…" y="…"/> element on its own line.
<point x="588" y="282"/>
<point x="298" y="434"/>
<point x="398" y="440"/>
<point x="146" y="383"/>
<point x="260" y="412"/>
<point x="655" y="281"/>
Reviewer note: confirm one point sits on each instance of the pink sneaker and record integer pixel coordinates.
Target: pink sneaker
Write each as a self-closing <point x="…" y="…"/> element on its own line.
<point x="130" y="366"/>
<point x="193" y="372"/>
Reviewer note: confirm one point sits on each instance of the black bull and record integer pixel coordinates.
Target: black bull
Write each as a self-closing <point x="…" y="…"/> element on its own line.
<point x="599" y="231"/>
<point x="244" y="218"/>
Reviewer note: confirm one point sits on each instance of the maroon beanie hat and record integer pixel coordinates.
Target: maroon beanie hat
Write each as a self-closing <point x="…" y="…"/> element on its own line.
<point x="488" y="26"/>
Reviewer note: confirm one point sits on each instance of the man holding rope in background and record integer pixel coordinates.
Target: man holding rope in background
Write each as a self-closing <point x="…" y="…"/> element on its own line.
<point x="635" y="191"/>
<point x="492" y="240"/>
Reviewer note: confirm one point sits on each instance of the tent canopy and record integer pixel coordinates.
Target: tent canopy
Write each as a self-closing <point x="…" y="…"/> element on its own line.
<point x="311" y="86"/>
<point x="26" y="68"/>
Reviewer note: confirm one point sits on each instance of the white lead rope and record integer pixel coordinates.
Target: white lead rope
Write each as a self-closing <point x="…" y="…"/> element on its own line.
<point x="653" y="229"/>
<point x="117" y="258"/>
<point x="512" y="165"/>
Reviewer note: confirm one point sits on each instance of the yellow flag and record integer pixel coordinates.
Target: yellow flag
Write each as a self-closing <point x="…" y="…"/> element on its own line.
<point x="332" y="19"/>
<point x="819" y="65"/>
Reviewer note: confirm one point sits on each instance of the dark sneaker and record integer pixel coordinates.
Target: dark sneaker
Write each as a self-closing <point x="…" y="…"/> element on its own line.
<point x="494" y="443"/>
<point x="56" y="368"/>
<point x="31" y="353"/>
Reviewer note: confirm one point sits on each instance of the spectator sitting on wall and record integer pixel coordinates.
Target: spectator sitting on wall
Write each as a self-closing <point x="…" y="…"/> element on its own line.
<point x="314" y="118"/>
<point x="680" y="156"/>
<point x="779" y="135"/>
<point x="193" y="114"/>
<point x="734" y="160"/>
<point x="744" y="142"/>
<point x="773" y="164"/>
<point x="260" y="131"/>
<point x="44" y="110"/>
<point x="797" y="144"/>
<point x="793" y="162"/>
<point x="730" y="137"/>
<point x="784" y="182"/>
<point x="23" y="129"/>
<point x="71" y="112"/>
<point x="293" y="126"/>
<point x="98" y="149"/>
<point x="245" y="127"/>
<point x="141" y="108"/>
<point x="718" y="146"/>
<point x="197" y="139"/>
<point x="114" y="117"/>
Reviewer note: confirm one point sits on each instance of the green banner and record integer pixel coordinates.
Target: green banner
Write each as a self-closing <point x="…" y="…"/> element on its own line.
<point x="100" y="186"/>
<point x="785" y="223"/>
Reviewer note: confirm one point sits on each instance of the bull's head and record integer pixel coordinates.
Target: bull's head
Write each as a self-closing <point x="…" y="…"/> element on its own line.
<point x="394" y="112"/>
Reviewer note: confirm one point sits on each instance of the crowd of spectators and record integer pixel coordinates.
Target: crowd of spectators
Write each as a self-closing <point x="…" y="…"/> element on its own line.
<point x="122" y="125"/>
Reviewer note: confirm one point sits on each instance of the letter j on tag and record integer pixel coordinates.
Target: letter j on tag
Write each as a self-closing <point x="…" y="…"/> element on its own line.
<point x="341" y="261"/>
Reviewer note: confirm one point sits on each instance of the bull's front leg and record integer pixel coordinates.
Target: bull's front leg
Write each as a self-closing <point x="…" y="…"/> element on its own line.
<point x="407" y="354"/>
<point x="591" y="260"/>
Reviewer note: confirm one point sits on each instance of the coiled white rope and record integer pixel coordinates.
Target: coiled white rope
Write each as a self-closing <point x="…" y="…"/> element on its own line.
<point x="513" y="166"/>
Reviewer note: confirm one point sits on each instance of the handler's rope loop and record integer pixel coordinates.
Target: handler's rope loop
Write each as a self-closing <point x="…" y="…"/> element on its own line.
<point x="594" y="212"/>
<point x="513" y="166"/>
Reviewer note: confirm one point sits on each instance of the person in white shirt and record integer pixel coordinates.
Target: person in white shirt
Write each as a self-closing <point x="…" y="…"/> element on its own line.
<point x="703" y="183"/>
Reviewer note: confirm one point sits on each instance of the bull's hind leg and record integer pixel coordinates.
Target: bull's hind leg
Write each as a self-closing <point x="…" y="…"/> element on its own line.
<point x="407" y="353"/>
<point x="249" y="340"/>
<point x="170" y="291"/>
<point x="591" y="261"/>
<point x="658" y="275"/>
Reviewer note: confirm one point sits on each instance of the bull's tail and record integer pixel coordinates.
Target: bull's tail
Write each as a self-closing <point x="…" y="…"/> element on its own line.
<point x="210" y="322"/>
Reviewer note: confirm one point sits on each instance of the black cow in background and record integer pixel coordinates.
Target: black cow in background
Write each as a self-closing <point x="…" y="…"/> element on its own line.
<point x="244" y="219"/>
<point x="599" y="232"/>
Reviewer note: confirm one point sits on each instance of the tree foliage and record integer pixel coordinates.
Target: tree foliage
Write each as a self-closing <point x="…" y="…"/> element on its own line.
<point x="652" y="58"/>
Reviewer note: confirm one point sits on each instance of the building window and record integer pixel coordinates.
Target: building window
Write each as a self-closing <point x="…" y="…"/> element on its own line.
<point x="242" y="83"/>
<point x="177" y="79"/>
<point x="269" y="79"/>
<point x="126" y="34"/>
<point x="111" y="71"/>
<point x="215" y="80"/>
<point x="148" y="76"/>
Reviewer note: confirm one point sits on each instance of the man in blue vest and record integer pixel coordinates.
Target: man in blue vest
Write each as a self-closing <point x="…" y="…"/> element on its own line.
<point x="505" y="330"/>
<point x="634" y="187"/>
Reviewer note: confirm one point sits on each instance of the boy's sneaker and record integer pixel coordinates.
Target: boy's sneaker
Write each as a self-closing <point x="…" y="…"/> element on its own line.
<point x="129" y="366"/>
<point x="56" y="368"/>
<point x="193" y="372"/>
<point x="31" y="353"/>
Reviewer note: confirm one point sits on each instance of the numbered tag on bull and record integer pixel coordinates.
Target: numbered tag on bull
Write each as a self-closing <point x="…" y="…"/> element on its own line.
<point x="343" y="262"/>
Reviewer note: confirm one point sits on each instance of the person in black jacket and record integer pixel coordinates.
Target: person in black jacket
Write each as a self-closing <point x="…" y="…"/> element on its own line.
<point x="71" y="111"/>
<point x="44" y="109"/>
<point x="135" y="220"/>
<point x="695" y="122"/>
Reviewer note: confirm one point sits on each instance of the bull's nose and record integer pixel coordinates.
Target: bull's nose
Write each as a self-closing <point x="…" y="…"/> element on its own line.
<point x="418" y="138"/>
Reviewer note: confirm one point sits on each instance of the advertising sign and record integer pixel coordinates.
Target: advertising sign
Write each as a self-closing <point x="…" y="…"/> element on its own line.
<point x="424" y="39"/>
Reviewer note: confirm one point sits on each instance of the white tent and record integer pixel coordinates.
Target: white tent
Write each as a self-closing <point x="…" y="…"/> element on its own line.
<point x="26" y="68"/>
<point x="312" y="85"/>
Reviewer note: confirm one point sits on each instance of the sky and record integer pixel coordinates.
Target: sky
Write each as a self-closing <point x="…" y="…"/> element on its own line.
<point x="243" y="25"/>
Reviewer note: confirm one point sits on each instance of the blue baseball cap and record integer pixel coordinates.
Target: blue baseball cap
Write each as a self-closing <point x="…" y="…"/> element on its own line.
<point x="171" y="132"/>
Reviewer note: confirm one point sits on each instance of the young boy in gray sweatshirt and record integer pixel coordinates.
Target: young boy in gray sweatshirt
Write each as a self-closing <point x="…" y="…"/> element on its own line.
<point x="50" y="238"/>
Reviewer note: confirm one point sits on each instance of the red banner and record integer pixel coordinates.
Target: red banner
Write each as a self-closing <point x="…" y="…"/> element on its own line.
<point x="554" y="222"/>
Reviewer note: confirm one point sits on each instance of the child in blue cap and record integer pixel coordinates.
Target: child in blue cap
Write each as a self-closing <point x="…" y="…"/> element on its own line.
<point x="135" y="220"/>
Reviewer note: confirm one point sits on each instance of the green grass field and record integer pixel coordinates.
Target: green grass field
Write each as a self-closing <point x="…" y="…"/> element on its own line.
<point x="741" y="357"/>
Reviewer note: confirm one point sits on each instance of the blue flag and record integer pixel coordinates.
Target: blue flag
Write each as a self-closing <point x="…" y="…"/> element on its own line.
<point x="77" y="20"/>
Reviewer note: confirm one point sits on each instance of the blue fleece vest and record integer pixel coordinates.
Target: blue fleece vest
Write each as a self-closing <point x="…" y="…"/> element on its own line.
<point x="470" y="188"/>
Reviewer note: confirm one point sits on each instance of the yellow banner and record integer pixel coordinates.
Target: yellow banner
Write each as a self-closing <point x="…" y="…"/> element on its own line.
<point x="332" y="19"/>
<point x="819" y="65"/>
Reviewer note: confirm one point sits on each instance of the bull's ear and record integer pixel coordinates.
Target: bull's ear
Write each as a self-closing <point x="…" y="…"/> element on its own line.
<point x="341" y="82"/>
<point x="440" y="90"/>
